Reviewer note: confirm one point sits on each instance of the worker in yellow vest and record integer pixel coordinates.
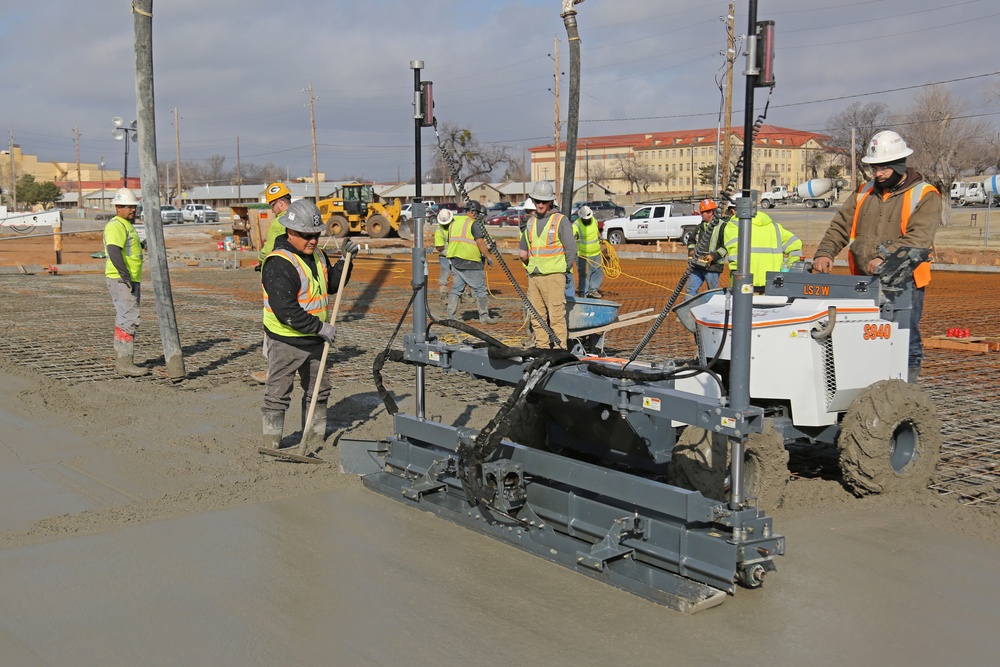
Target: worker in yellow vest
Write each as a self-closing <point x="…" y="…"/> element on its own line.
<point x="590" y="266"/>
<point x="548" y="249"/>
<point x="469" y="258"/>
<point x="123" y="273"/>
<point x="897" y="208"/>
<point x="772" y="247"/>
<point x="441" y="238"/>
<point x="297" y="279"/>
<point x="279" y="198"/>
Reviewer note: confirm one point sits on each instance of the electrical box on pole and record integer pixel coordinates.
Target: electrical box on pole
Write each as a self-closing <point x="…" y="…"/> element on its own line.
<point x="425" y="104"/>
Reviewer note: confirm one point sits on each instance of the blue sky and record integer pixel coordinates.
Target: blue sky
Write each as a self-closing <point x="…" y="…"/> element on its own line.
<point x="240" y="68"/>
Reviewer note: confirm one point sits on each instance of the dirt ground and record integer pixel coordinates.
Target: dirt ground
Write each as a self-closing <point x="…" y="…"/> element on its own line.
<point x="100" y="475"/>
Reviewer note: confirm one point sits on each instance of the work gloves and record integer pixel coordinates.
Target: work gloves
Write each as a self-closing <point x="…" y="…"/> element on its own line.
<point x="126" y="282"/>
<point x="349" y="248"/>
<point x="328" y="332"/>
<point x="489" y="261"/>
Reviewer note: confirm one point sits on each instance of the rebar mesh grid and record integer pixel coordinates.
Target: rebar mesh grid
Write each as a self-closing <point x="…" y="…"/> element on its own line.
<point x="62" y="327"/>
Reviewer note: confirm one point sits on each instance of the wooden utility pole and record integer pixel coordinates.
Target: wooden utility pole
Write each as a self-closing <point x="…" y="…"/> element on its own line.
<point x="557" y="133"/>
<point x="730" y="58"/>
<point x="854" y="163"/>
<point x="312" y="122"/>
<point x="13" y="177"/>
<point x="239" y="172"/>
<point x="177" y="145"/>
<point x="79" y="180"/>
<point x="142" y="11"/>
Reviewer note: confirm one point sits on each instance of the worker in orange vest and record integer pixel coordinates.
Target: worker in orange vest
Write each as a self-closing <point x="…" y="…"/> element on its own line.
<point x="897" y="208"/>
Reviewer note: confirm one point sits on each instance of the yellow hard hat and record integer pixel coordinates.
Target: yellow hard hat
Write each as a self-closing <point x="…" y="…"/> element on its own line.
<point x="276" y="191"/>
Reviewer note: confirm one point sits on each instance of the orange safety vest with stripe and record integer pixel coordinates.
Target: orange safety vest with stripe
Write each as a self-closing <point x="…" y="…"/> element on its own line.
<point x="921" y="274"/>
<point x="312" y="296"/>
<point x="546" y="254"/>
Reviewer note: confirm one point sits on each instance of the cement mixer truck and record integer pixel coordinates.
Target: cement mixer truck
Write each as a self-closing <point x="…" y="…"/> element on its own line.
<point x="817" y="193"/>
<point x="821" y="192"/>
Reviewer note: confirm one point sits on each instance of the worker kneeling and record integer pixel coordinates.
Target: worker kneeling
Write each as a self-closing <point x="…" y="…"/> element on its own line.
<point x="297" y="279"/>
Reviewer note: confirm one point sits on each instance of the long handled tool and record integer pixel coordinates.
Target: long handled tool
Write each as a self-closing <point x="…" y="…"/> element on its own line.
<point x="302" y="456"/>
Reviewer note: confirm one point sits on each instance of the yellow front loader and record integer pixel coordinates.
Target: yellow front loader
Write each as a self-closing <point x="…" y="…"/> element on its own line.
<point x="358" y="210"/>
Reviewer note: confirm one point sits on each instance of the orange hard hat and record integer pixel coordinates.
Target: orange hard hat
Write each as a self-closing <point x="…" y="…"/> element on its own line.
<point x="707" y="205"/>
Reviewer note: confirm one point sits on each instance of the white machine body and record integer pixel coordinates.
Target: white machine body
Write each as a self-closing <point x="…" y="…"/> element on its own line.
<point x="818" y="377"/>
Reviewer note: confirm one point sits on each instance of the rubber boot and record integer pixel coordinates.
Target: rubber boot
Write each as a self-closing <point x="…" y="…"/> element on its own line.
<point x="484" y="311"/>
<point x="453" y="307"/>
<point x="318" y="431"/>
<point x="259" y="376"/>
<point x="274" y="424"/>
<point x="912" y="373"/>
<point x="125" y="355"/>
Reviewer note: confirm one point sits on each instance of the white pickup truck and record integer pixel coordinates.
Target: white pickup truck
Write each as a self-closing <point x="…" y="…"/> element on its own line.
<point x="650" y="223"/>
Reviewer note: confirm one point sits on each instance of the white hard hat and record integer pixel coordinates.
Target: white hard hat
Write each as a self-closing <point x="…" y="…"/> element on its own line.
<point x="886" y="146"/>
<point x="543" y="191"/>
<point x="444" y="216"/>
<point x="124" y="197"/>
<point x="528" y="205"/>
<point x="585" y="212"/>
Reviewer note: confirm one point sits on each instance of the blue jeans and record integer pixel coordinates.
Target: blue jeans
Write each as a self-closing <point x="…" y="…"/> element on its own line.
<point x="699" y="276"/>
<point x="474" y="278"/>
<point x="570" y="286"/>
<point x="591" y="274"/>
<point x="916" y="343"/>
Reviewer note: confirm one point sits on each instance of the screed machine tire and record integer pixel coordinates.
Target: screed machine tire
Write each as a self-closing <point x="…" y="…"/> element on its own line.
<point x="701" y="463"/>
<point x="890" y="439"/>
<point x="338" y="226"/>
<point x="765" y="467"/>
<point x="378" y="226"/>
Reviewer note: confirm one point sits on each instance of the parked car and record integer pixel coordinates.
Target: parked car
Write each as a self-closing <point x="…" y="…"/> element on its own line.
<point x="499" y="207"/>
<point x="603" y="209"/>
<point x="497" y="219"/>
<point x="199" y="213"/>
<point x="170" y="214"/>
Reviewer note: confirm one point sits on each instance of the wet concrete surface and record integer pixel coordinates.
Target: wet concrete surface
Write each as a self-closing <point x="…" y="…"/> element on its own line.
<point x="138" y="527"/>
<point x="352" y="578"/>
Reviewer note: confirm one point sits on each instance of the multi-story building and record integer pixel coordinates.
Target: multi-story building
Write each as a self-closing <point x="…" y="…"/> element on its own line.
<point x="669" y="164"/>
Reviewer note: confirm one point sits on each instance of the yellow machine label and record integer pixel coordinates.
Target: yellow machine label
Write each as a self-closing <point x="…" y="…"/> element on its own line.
<point x="651" y="403"/>
<point x="728" y="422"/>
<point x="434" y="356"/>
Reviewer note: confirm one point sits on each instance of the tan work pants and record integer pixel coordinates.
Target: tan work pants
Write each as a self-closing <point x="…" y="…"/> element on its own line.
<point x="547" y="293"/>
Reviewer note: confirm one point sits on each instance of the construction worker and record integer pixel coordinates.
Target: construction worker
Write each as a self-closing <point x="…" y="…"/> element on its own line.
<point x="123" y="273"/>
<point x="772" y="247"/>
<point x="441" y="237"/>
<point x="548" y="249"/>
<point x="279" y="198"/>
<point x="297" y="279"/>
<point x="707" y="268"/>
<point x="590" y="268"/>
<point x="897" y="208"/>
<point x="469" y="258"/>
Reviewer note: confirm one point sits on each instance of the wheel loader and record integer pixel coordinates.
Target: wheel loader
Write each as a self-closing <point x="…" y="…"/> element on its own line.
<point x="358" y="210"/>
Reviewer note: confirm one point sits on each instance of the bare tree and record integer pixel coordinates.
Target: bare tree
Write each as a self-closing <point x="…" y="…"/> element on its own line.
<point x="638" y="174"/>
<point x="866" y="119"/>
<point x="516" y="170"/>
<point x="944" y="143"/>
<point x="475" y="161"/>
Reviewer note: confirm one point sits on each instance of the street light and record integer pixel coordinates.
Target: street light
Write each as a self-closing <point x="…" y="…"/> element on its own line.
<point x="124" y="133"/>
